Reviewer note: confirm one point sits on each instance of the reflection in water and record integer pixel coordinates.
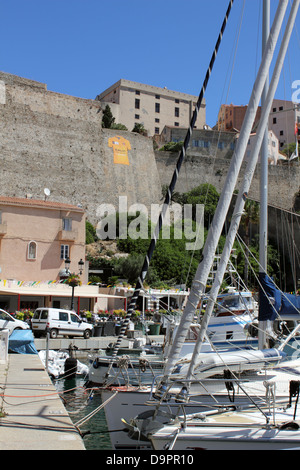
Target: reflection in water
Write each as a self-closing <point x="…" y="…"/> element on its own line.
<point x="79" y="404"/>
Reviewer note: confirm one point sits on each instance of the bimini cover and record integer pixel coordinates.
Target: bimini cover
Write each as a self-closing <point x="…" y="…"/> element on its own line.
<point x="22" y="342"/>
<point x="274" y="303"/>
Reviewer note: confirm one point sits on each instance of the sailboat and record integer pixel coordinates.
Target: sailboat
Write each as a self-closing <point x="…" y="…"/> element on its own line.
<point x="185" y="431"/>
<point x="233" y="326"/>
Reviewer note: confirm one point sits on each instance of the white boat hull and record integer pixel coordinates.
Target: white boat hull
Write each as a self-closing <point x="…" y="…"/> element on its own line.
<point x="132" y="401"/>
<point x="234" y="431"/>
<point x="226" y="333"/>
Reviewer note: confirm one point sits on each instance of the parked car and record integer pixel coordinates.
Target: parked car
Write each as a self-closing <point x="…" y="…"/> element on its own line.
<point x="59" y="322"/>
<point x="7" y="321"/>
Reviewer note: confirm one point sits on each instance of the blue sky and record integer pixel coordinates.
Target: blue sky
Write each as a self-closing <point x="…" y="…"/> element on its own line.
<point x="81" y="47"/>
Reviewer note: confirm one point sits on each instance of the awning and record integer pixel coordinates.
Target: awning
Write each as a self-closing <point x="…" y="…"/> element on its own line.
<point x="59" y="290"/>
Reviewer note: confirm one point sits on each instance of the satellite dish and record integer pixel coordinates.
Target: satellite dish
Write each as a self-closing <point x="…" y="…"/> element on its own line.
<point x="47" y="193"/>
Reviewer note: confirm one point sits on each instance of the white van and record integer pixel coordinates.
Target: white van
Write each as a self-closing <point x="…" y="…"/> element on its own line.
<point x="59" y="322"/>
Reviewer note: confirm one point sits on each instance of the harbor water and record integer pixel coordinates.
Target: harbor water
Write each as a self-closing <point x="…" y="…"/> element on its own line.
<point x="79" y="405"/>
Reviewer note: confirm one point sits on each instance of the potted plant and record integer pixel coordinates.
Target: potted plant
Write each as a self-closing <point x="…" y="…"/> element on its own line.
<point x="73" y="280"/>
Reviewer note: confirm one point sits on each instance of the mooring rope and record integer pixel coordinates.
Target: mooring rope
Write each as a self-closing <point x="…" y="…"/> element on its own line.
<point x="90" y="415"/>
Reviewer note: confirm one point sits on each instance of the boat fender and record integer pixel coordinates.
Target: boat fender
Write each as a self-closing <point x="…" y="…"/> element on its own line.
<point x="70" y="366"/>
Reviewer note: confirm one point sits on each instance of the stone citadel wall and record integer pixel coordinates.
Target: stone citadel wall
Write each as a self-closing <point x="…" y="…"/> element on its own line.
<point x="56" y="141"/>
<point x="284" y="181"/>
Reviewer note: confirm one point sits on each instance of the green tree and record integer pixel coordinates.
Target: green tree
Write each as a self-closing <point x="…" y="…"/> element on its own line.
<point x="250" y="216"/>
<point x="139" y="129"/>
<point x="107" y="118"/>
<point x="90" y="233"/>
<point x="289" y="149"/>
<point x="130" y="268"/>
<point x="172" y="147"/>
<point x="205" y="194"/>
<point x="121" y="127"/>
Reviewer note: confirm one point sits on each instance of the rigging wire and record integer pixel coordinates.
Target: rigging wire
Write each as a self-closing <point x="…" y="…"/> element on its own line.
<point x="229" y="73"/>
<point x="171" y="188"/>
<point x="242" y="243"/>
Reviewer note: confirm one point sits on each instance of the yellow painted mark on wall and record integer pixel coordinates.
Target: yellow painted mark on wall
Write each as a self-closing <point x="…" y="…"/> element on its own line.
<point x="120" y="148"/>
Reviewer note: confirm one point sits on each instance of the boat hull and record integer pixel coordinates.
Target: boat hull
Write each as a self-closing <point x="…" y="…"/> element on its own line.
<point x="131" y="402"/>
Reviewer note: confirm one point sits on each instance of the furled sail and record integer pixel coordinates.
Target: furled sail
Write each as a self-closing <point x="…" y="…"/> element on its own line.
<point x="209" y="250"/>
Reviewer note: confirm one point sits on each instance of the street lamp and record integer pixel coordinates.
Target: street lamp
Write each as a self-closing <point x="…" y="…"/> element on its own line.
<point x="80" y="266"/>
<point x="67" y="265"/>
<point x="73" y="282"/>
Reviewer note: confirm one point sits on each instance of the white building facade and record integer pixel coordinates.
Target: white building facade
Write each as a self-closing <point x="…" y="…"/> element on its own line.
<point x="135" y="103"/>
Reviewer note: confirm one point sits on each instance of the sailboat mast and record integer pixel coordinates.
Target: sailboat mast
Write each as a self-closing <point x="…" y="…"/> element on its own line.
<point x="246" y="183"/>
<point x="218" y="221"/>
<point x="263" y="223"/>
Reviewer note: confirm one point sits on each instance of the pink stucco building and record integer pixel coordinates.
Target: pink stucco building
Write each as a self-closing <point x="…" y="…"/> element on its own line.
<point x="37" y="236"/>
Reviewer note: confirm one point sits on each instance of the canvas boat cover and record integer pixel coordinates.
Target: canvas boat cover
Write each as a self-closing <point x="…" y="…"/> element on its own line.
<point x="22" y="342"/>
<point x="273" y="303"/>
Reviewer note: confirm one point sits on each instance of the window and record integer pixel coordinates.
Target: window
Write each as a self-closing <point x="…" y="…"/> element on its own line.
<point x="157" y="130"/>
<point x="221" y="145"/>
<point x="281" y="132"/>
<point x="64" y="251"/>
<point x="63" y="316"/>
<point x="176" y="101"/>
<point x="31" y="250"/>
<point x="176" y="124"/>
<point x="74" y="318"/>
<point x="44" y="315"/>
<point x="157" y="107"/>
<point x="280" y="108"/>
<point x="137" y="92"/>
<point x="67" y="224"/>
<point x="203" y="144"/>
<point x="157" y="97"/>
<point x="156" y="120"/>
<point x="195" y="143"/>
<point x="274" y="110"/>
<point x="137" y="103"/>
<point x="274" y="120"/>
<point x="136" y="116"/>
<point x="176" y="112"/>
